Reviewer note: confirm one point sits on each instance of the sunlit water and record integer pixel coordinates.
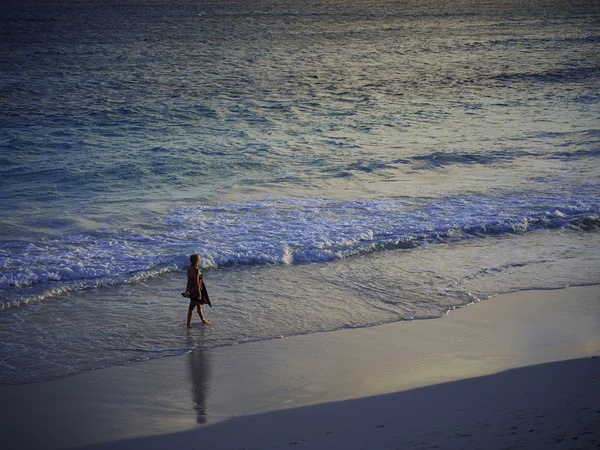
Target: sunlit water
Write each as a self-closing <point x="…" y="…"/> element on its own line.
<point x="337" y="164"/>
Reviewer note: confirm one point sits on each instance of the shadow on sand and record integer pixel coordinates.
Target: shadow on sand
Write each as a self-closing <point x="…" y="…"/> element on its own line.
<point x="533" y="406"/>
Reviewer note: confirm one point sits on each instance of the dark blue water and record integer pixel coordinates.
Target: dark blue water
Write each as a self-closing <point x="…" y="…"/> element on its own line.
<point x="335" y="164"/>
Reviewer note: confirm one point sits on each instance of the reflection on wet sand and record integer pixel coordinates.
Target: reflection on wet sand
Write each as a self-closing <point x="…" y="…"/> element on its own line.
<point x="199" y="376"/>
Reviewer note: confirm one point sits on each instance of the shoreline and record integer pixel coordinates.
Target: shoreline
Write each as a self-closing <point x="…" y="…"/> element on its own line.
<point x="474" y="413"/>
<point x="218" y="393"/>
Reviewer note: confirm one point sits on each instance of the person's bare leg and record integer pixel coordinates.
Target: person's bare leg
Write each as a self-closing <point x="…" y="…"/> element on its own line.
<point x="189" y="318"/>
<point x="201" y="314"/>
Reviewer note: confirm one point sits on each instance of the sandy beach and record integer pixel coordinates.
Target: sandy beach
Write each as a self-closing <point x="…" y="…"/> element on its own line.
<point x="519" y="370"/>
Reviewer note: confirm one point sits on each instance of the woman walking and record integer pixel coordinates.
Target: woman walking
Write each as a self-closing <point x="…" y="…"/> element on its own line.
<point x="194" y="291"/>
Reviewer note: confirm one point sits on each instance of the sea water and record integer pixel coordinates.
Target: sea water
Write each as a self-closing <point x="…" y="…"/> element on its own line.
<point x="336" y="164"/>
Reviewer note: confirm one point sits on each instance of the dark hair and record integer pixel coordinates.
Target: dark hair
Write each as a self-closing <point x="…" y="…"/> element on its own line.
<point x="195" y="258"/>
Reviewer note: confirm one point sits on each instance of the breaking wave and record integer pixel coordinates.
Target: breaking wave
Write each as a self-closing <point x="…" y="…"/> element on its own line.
<point x="273" y="232"/>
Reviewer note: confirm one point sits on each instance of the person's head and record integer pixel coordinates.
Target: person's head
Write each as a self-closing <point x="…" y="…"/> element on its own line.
<point x="195" y="258"/>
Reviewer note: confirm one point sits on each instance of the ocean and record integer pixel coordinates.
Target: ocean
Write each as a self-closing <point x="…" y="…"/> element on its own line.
<point x="336" y="164"/>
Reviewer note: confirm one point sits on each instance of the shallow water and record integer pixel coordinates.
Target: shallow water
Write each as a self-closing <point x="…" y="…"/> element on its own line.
<point x="335" y="164"/>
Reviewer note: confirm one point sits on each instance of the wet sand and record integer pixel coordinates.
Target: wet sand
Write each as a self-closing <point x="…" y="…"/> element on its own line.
<point x="517" y="371"/>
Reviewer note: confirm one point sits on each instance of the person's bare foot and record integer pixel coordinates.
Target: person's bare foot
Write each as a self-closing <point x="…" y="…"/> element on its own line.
<point x="206" y="321"/>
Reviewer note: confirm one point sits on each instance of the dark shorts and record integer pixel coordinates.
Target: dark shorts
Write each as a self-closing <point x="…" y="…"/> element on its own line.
<point x="194" y="304"/>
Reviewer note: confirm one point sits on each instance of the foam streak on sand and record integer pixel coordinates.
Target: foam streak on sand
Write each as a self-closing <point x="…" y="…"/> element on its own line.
<point x="518" y="370"/>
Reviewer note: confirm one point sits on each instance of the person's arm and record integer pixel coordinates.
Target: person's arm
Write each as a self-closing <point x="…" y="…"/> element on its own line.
<point x="198" y="281"/>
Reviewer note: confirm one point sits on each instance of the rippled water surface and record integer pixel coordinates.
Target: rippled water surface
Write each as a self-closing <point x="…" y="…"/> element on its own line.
<point x="336" y="164"/>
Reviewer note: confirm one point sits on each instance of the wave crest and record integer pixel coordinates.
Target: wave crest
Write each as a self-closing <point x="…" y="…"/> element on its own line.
<point x="273" y="232"/>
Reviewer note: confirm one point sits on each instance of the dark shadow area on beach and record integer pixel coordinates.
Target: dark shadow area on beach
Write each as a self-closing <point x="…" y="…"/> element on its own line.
<point x="538" y="406"/>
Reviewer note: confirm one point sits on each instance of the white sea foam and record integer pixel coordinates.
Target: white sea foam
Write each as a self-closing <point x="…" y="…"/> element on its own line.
<point x="274" y="232"/>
